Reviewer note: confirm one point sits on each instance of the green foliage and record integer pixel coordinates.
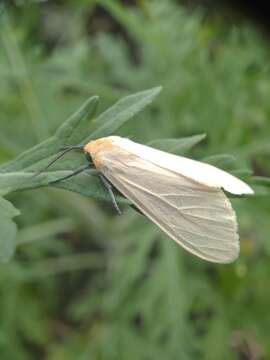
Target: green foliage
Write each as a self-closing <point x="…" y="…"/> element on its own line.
<point x="84" y="283"/>
<point x="8" y="230"/>
<point x="26" y="172"/>
<point x="20" y="173"/>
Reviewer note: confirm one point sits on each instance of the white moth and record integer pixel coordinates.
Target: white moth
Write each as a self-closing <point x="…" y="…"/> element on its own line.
<point x="183" y="197"/>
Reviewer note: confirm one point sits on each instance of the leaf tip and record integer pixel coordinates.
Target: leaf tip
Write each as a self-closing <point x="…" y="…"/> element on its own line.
<point x="157" y="89"/>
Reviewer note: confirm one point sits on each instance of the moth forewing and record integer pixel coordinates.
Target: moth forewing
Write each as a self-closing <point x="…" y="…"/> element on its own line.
<point x="203" y="173"/>
<point x="196" y="216"/>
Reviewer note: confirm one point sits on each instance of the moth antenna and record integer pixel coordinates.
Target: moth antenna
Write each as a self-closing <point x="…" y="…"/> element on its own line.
<point x="66" y="150"/>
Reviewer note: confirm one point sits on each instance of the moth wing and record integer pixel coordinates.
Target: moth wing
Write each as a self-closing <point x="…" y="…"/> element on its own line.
<point x="203" y="173"/>
<point x="199" y="218"/>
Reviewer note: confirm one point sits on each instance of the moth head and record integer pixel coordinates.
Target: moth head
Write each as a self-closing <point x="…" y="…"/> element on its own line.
<point x="95" y="147"/>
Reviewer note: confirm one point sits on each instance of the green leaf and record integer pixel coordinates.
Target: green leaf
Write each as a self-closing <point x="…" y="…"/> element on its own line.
<point x="261" y="185"/>
<point x="261" y="180"/>
<point x="122" y="111"/>
<point x="221" y="160"/>
<point x="178" y="146"/>
<point x="8" y="230"/>
<point x="18" y="174"/>
<point x="70" y="133"/>
<point x="242" y="173"/>
<point x="22" y="180"/>
<point x="89" y="184"/>
<point x="8" y="209"/>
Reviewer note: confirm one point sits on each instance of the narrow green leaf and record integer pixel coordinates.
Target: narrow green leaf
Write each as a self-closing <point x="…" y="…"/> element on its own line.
<point x="73" y="130"/>
<point x="89" y="184"/>
<point x="8" y="230"/>
<point x="261" y="180"/>
<point x="45" y="230"/>
<point x="261" y="186"/>
<point x="19" y="174"/>
<point x="8" y="209"/>
<point x="109" y="121"/>
<point x="221" y="160"/>
<point x="243" y="173"/>
<point x="22" y="180"/>
<point x="7" y="238"/>
<point x="178" y="146"/>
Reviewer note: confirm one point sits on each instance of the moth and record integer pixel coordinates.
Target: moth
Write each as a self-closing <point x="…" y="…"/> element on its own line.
<point x="185" y="198"/>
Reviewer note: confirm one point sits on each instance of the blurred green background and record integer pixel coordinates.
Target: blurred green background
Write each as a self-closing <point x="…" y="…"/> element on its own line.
<point x="86" y="284"/>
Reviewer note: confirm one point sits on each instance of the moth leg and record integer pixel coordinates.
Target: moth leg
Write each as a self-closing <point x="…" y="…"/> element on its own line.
<point x="108" y="186"/>
<point x="76" y="172"/>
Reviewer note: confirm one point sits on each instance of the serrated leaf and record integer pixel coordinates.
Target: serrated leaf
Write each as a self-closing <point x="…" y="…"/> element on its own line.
<point x="178" y="146"/>
<point x="8" y="230"/>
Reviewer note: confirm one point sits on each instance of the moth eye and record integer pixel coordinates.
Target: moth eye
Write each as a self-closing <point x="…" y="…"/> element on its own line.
<point x="88" y="157"/>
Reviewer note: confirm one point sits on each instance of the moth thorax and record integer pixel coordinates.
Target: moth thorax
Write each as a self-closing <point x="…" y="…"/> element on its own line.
<point x="96" y="147"/>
